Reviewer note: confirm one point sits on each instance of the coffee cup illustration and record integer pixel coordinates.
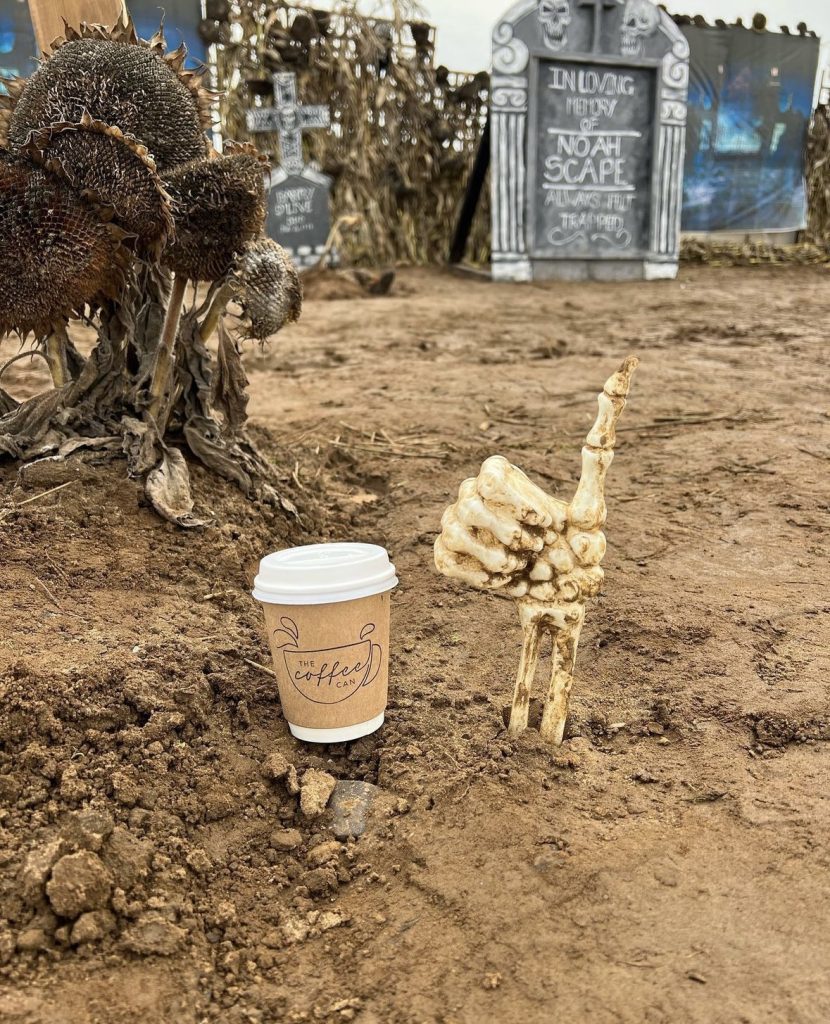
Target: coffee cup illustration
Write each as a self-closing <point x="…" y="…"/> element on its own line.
<point x="332" y="675"/>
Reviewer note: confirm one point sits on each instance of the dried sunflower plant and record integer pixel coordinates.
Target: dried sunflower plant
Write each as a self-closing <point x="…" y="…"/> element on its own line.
<point x="405" y="132"/>
<point x="112" y="202"/>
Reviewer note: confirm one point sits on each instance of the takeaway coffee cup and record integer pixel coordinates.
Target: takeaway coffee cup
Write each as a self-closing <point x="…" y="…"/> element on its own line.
<point x="327" y="610"/>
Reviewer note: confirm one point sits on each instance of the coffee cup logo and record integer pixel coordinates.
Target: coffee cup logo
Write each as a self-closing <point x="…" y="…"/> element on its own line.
<point x="333" y="675"/>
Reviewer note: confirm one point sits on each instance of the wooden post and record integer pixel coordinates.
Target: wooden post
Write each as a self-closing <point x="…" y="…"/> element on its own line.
<point x="48" y="16"/>
<point x="472" y="197"/>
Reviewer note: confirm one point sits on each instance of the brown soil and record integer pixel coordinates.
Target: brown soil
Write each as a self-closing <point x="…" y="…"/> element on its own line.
<point x="669" y="864"/>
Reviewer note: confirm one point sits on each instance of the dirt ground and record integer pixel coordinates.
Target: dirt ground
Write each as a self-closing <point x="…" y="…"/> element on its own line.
<point x="668" y="865"/>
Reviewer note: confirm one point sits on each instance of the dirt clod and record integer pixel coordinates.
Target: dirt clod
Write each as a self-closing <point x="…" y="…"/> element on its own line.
<point x="315" y="790"/>
<point x="79" y="882"/>
<point x="276" y="767"/>
<point x="287" y="839"/>
<point x="92" y="927"/>
<point x="154" y="936"/>
<point x="31" y="940"/>
<point x="36" y="870"/>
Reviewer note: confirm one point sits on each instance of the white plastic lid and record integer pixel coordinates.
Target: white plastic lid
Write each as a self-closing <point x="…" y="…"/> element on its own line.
<point x="324" y="574"/>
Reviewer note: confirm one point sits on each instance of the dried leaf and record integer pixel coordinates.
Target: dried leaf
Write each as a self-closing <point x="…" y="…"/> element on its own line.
<point x="168" y="488"/>
<point x="230" y="383"/>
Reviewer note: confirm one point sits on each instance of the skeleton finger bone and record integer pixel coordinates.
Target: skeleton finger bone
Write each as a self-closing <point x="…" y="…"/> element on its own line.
<point x="502" y="484"/>
<point x="493" y="557"/>
<point x="466" y="568"/>
<point x="476" y="513"/>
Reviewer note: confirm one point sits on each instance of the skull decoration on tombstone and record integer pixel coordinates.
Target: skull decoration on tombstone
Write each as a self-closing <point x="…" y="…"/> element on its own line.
<point x="641" y="19"/>
<point x="555" y="16"/>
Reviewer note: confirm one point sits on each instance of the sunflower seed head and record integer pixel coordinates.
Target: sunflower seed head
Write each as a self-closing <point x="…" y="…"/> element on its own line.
<point x="219" y="206"/>
<point x="111" y="170"/>
<point x="57" y="254"/>
<point x="268" y="287"/>
<point x="102" y="74"/>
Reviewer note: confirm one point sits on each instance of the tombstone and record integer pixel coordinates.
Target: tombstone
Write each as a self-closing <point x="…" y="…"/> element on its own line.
<point x="588" y="109"/>
<point x="299" y="213"/>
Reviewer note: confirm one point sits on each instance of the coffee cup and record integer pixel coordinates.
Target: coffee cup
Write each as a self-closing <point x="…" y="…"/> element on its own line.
<point x="327" y="615"/>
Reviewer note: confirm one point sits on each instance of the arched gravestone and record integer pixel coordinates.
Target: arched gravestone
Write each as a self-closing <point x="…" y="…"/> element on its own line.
<point x="588" y="106"/>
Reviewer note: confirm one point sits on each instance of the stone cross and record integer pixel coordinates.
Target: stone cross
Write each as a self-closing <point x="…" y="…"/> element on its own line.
<point x="599" y="6"/>
<point x="289" y="120"/>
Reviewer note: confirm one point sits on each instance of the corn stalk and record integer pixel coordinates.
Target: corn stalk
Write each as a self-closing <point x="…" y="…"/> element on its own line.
<point x="404" y="132"/>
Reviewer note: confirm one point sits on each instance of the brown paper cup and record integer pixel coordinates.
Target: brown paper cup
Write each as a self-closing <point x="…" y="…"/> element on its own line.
<point x="332" y="666"/>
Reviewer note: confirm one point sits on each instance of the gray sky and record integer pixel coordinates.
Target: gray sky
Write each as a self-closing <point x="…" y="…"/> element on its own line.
<point x="465" y="26"/>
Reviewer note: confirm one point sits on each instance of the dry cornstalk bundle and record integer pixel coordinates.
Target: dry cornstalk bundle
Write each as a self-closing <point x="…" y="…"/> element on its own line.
<point x="818" y="177"/>
<point x="507" y="536"/>
<point x="111" y="201"/>
<point x="404" y="132"/>
<point x="751" y="253"/>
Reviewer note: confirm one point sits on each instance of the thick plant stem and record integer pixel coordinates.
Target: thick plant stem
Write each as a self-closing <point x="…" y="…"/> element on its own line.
<point x="165" y="361"/>
<point x="216" y="310"/>
<point x="56" y="347"/>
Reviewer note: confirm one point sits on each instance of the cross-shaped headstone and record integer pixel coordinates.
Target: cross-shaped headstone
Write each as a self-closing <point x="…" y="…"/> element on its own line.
<point x="289" y="120"/>
<point x="599" y="7"/>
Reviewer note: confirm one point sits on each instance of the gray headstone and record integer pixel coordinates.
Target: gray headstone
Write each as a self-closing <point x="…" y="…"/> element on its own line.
<point x="588" y="140"/>
<point x="299" y="211"/>
<point x="299" y="216"/>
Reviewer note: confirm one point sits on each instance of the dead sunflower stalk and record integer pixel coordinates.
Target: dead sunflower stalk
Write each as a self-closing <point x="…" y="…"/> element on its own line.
<point x="108" y="208"/>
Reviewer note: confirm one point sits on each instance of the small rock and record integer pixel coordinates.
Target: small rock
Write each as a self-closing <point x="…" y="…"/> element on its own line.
<point x="276" y="767"/>
<point x="492" y="981"/>
<point x="33" y="939"/>
<point x="315" y="791"/>
<point x="79" y="882"/>
<point x="325" y="853"/>
<point x="153" y="936"/>
<point x="288" y="839"/>
<point x="37" y="869"/>
<point x="350" y="804"/>
<point x="91" y="927"/>
<point x="294" y="930"/>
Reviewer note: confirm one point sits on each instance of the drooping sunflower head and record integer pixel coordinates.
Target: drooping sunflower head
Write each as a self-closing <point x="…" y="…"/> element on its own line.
<point x="268" y="288"/>
<point x="112" y="170"/>
<point x="122" y="81"/>
<point x="218" y="207"/>
<point x="57" y="252"/>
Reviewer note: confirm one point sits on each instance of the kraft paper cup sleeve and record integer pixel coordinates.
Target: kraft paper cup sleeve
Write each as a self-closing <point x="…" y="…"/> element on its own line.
<point x="331" y="661"/>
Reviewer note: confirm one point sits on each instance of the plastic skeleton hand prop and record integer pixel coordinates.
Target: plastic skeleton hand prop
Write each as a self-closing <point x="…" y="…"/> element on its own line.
<point x="506" y="535"/>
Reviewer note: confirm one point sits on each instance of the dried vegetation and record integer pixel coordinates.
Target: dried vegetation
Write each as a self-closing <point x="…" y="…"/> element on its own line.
<point x="404" y="131"/>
